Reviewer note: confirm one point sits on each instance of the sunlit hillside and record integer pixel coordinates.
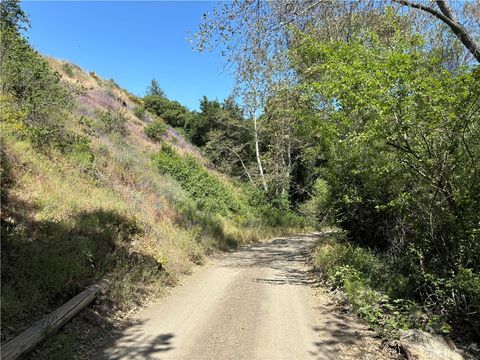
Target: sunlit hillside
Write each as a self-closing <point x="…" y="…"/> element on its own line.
<point x="99" y="204"/>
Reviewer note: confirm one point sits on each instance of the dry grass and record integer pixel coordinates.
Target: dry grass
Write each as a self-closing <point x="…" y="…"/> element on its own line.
<point x="69" y="219"/>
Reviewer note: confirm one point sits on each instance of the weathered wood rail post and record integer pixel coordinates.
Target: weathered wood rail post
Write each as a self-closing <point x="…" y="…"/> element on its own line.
<point x="28" y="339"/>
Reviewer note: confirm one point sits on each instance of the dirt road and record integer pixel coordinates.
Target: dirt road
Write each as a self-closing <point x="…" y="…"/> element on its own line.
<point x="259" y="302"/>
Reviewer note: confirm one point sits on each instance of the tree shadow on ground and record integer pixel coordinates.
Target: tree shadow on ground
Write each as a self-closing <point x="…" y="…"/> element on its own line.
<point x="46" y="262"/>
<point x="139" y="346"/>
<point x="93" y="336"/>
<point x="341" y="336"/>
<point x="286" y="255"/>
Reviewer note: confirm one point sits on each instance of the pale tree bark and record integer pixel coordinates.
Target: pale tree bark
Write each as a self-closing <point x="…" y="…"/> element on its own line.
<point x="257" y="152"/>
<point x="448" y="17"/>
<point x="254" y="100"/>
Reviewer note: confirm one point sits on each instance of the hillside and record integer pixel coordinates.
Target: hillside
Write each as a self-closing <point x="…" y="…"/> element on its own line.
<point x="107" y="200"/>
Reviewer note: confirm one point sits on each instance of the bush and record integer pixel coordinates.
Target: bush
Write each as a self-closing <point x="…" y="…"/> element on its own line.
<point x="373" y="287"/>
<point x="36" y="103"/>
<point x="155" y="130"/>
<point x="209" y="194"/>
<point x="318" y="206"/>
<point x="457" y="295"/>
<point x="112" y="122"/>
<point x="68" y="68"/>
<point x="77" y="148"/>
<point x="272" y="211"/>
<point x="139" y="112"/>
<point x="172" y="112"/>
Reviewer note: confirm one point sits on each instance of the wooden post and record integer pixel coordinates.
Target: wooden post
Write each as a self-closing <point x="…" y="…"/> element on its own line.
<point x="27" y="340"/>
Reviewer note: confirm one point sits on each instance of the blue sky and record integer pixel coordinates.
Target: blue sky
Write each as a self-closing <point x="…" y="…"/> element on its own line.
<point x="132" y="42"/>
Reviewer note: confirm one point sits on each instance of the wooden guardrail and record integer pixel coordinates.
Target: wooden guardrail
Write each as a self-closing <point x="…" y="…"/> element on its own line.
<point x="28" y="339"/>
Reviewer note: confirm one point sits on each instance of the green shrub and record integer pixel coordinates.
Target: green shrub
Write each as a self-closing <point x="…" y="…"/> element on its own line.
<point x="317" y="207"/>
<point x="78" y="149"/>
<point x="139" y="112"/>
<point x="457" y="295"/>
<point x="155" y="130"/>
<point x="271" y="211"/>
<point x="340" y="253"/>
<point x="372" y="287"/>
<point x="172" y="112"/>
<point x="68" y="68"/>
<point x="207" y="191"/>
<point x="32" y="93"/>
<point x="112" y="122"/>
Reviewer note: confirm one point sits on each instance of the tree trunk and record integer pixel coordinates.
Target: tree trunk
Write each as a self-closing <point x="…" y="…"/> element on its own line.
<point x="257" y="153"/>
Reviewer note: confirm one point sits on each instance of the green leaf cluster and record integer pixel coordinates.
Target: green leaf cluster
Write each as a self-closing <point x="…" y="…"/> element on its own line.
<point x="156" y="129"/>
<point x="399" y="146"/>
<point x="34" y="103"/>
<point x="171" y="111"/>
<point x="206" y="190"/>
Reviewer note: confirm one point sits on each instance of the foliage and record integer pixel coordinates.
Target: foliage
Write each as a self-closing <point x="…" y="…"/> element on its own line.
<point x="208" y="192"/>
<point x="155" y="89"/>
<point x="274" y="212"/>
<point x="35" y="102"/>
<point x="156" y="129"/>
<point x="220" y="130"/>
<point x="213" y="197"/>
<point x="318" y="206"/>
<point x="112" y="122"/>
<point x="139" y="112"/>
<point x="371" y="285"/>
<point x="13" y="17"/>
<point x="68" y="68"/>
<point x="172" y="112"/>
<point x="400" y="152"/>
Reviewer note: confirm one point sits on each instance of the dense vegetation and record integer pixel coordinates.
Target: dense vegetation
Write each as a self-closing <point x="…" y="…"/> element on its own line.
<point x="379" y="136"/>
<point x="367" y="117"/>
<point x="402" y="155"/>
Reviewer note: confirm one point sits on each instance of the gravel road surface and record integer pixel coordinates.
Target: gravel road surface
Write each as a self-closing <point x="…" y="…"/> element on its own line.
<point x="259" y="302"/>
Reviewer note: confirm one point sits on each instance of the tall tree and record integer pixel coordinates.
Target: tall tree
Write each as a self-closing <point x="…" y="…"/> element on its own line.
<point x="155" y="89"/>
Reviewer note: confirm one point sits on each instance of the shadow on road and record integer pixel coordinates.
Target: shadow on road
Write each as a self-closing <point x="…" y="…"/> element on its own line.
<point x="285" y="255"/>
<point x="97" y="338"/>
<point x="139" y="346"/>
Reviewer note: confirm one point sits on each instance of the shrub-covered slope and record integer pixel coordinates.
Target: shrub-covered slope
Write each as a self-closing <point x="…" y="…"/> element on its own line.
<point x="104" y="199"/>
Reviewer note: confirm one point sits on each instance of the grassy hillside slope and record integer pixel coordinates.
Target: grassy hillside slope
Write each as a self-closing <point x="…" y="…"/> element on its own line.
<point x="109" y="201"/>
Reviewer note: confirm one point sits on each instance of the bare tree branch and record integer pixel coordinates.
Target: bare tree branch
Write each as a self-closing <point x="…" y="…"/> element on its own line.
<point x="243" y="165"/>
<point x="447" y="17"/>
<point x="445" y="9"/>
